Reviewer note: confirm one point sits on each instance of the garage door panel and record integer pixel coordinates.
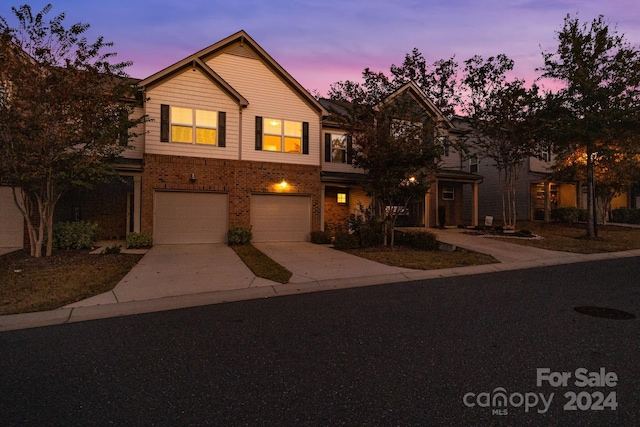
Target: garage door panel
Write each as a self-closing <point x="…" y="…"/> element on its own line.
<point x="190" y="217"/>
<point x="280" y="218"/>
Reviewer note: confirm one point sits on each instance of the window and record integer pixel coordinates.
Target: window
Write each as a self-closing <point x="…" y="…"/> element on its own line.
<point x="474" y="164"/>
<point x="342" y="198"/>
<point x="339" y="149"/>
<point x="444" y="143"/>
<point x="284" y="136"/>
<point x="192" y="126"/>
<point x="447" y="192"/>
<point x="545" y="154"/>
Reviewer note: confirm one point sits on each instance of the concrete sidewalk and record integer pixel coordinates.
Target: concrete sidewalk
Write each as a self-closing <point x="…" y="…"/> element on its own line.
<point x="179" y="276"/>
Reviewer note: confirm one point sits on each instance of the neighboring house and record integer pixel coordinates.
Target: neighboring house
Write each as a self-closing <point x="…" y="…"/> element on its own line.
<point x="343" y="183"/>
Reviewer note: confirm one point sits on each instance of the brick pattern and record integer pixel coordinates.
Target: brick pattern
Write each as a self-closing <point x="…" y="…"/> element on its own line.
<point x="335" y="215"/>
<point x="236" y="177"/>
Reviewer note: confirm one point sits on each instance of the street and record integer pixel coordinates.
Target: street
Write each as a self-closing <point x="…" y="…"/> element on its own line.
<point x="496" y="349"/>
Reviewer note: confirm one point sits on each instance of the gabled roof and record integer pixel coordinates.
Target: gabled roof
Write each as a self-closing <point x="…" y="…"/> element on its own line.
<point x="340" y="108"/>
<point x="197" y="60"/>
<point x="420" y="96"/>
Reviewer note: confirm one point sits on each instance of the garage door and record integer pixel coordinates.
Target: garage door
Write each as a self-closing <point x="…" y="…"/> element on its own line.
<point x="11" y="221"/>
<point x="280" y="218"/>
<point x="186" y="217"/>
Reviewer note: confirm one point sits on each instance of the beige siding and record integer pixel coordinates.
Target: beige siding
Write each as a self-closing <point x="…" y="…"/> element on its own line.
<point x="191" y="89"/>
<point x="136" y="144"/>
<point x="537" y="165"/>
<point x="11" y="220"/>
<point x="268" y="97"/>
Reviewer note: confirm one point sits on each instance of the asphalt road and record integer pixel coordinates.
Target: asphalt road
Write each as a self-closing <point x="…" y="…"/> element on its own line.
<point x="457" y="351"/>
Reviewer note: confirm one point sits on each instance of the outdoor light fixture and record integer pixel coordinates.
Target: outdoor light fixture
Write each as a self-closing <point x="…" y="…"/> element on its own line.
<point x="412" y="179"/>
<point x="283" y="184"/>
<point x="192" y="178"/>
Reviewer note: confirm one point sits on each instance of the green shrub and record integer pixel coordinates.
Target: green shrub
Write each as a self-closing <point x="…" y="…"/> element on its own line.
<point x="423" y="240"/>
<point x="111" y="250"/>
<point x="139" y="240"/>
<point x="366" y="226"/>
<point x="568" y="214"/>
<point x="346" y="241"/>
<point x="625" y="215"/>
<point x="320" y="237"/>
<point x="74" y="235"/>
<point x="239" y="235"/>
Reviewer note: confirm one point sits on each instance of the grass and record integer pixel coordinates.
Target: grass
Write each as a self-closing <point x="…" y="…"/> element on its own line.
<point x="261" y="265"/>
<point x="28" y="284"/>
<point x="405" y="257"/>
<point x="567" y="237"/>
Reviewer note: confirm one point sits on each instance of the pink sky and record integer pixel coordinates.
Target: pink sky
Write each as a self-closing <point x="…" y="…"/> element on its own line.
<point x="323" y="42"/>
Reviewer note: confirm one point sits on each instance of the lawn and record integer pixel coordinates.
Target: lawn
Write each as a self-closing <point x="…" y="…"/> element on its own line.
<point x="401" y="256"/>
<point x="571" y="237"/>
<point x="28" y="284"/>
<point x="260" y="264"/>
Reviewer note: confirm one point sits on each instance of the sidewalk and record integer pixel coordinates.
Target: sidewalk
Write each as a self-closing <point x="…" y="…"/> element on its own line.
<point x="181" y="276"/>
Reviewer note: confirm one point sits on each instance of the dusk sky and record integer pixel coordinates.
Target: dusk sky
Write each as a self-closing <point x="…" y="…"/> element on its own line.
<point x="321" y="42"/>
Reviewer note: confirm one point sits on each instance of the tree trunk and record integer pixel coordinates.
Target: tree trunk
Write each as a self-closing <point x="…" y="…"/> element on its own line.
<point x="591" y="232"/>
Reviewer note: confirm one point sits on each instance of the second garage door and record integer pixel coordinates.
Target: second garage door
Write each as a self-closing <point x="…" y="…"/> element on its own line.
<point x="280" y="218"/>
<point x="11" y="220"/>
<point x="190" y="217"/>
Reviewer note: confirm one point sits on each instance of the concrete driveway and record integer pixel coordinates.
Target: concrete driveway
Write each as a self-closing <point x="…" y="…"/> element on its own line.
<point x="179" y="270"/>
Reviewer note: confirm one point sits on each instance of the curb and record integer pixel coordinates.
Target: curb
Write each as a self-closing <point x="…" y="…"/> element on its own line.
<point x="68" y="314"/>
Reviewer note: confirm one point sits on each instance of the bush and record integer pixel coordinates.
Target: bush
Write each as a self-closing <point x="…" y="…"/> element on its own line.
<point x="625" y="215"/>
<point x="139" y="240"/>
<point x="320" y="237"/>
<point x="568" y="214"/>
<point x="239" y="235"/>
<point x="366" y="226"/>
<point x="111" y="250"/>
<point x="423" y="240"/>
<point x="74" y="235"/>
<point x="346" y="241"/>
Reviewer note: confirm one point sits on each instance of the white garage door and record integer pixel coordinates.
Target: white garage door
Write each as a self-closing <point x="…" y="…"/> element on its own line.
<point x="280" y="218"/>
<point x="11" y="221"/>
<point x="186" y="217"/>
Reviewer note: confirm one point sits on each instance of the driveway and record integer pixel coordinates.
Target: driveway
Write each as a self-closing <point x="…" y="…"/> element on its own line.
<point x="178" y="270"/>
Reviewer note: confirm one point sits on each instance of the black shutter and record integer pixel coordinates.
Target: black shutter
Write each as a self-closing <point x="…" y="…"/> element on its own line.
<point x="349" y="149"/>
<point x="164" y="123"/>
<point x="222" y="129"/>
<point x="327" y="147"/>
<point x="258" y="133"/>
<point x="305" y="138"/>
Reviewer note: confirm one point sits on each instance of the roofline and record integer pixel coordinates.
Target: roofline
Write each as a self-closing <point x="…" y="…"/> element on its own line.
<point x="241" y="35"/>
<point x="423" y="97"/>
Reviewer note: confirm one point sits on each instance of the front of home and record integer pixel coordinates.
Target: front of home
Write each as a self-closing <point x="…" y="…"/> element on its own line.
<point x="233" y="139"/>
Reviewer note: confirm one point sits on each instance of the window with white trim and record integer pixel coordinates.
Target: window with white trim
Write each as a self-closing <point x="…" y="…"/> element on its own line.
<point x="282" y="135"/>
<point x="194" y="126"/>
<point x="545" y="154"/>
<point x="341" y="199"/>
<point x="447" y="192"/>
<point x="474" y="164"/>
<point x="339" y="149"/>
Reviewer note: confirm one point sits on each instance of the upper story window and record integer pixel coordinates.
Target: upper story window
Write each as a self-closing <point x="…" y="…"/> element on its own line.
<point x="545" y="154"/>
<point x="444" y="143"/>
<point x="474" y="164"/>
<point x="284" y="136"/>
<point x="192" y="126"/>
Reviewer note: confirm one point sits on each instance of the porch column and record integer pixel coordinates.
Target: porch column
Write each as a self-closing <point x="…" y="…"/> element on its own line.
<point x="474" y="219"/>
<point x="322" y="192"/>
<point x="426" y="208"/>
<point x="547" y="201"/>
<point x="137" y="202"/>
<point x="437" y="186"/>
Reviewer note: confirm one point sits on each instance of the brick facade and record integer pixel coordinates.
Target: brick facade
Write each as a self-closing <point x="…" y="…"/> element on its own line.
<point x="239" y="179"/>
<point x="335" y="214"/>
